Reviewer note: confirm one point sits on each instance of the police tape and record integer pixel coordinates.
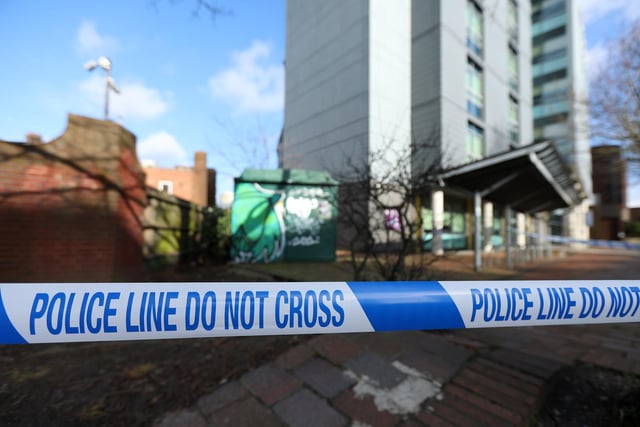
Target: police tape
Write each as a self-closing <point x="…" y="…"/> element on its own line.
<point x="614" y="244"/>
<point x="46" y="313"/>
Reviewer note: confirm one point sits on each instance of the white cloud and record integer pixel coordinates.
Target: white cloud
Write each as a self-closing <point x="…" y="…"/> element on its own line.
<point x="592" y="10"/>
<point x="135" y="101"/>
<point x="89" y="41"/>
<point x="252" y="83"/>
<point x="596" y="58"/>
<point x="163" y="148"/>
<point x="633" y="195"/>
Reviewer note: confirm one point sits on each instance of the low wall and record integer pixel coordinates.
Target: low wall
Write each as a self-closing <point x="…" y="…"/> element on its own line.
<point x="172" y="230"/>
<point x="71" y="209"/>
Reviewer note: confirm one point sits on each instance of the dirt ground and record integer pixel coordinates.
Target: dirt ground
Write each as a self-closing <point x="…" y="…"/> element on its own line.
<point x="124" y="383"/>
<point x="590" y="396"/>
<point x="120" y="384"/>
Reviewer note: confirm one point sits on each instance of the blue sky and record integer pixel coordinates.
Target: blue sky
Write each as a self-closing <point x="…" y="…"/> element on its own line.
<point x="188" y="83"/>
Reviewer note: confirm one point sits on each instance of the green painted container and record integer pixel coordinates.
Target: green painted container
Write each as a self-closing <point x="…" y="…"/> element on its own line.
<point x="284" y="215"/>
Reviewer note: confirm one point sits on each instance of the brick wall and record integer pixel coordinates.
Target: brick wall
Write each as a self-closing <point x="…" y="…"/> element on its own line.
<point x="610" y="188"/>
<point x="196" y="185"/>
<point x="71" y="209"/>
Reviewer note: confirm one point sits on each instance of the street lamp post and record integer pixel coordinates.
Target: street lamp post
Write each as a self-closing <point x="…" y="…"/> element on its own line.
<point x="104" y="63"/>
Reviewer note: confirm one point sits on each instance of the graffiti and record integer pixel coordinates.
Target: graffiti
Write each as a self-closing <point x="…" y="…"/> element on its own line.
<point x="301" y="207"/>
<point x="267" y="219"/>
<point x="304" y="241"/>
<point x="307" y="209"/>
<point x="392" y="219"/>
<point x="257" y="224"/>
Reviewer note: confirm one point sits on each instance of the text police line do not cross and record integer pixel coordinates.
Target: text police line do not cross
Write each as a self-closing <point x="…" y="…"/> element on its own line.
<point x="35" y="313"/>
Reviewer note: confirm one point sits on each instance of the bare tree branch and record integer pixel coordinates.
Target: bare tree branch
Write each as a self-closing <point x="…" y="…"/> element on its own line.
<point x="615" y="94"/>
<point x="209" y="7"/>
<point x="378" y="213"/>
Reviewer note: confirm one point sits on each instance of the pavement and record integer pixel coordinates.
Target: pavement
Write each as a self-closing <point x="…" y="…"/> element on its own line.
<point x="471" y="377"/>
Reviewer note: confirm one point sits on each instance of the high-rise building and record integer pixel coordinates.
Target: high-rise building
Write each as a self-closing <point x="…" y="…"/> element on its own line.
<point x="364" y="74"/>
<point x="560" y="93"/>
<point x="454" y="76"/>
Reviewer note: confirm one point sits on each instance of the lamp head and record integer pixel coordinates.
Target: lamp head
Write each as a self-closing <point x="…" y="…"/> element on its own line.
<point x="105" y="63"/>
<point x="90" y="65"/>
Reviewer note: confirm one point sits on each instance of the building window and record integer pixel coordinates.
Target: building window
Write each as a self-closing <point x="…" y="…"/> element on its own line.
<point x="474" y="28"/>
<point x="475" y="90"/>
<point x="514" y="122"/>
<point x="550" y="96"/>
<point x="545" y="10"/>
<point x="513" y="70"/>
<point x="552" y="55"/>
<point x="454" y="222"/>
<point x="475" y="142"/>
<point x="512" y="21"/>
<point x="165" y="186"/>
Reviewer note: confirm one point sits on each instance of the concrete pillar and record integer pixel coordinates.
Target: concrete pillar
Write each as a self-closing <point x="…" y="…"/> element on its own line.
<point x="547" y="233"/>
<point x="477" y="231"/>
<point x="538" y="238"/>
<point x="508" y="231"/>
<point x="437" y="208"/>
<point x="521" y="238"/>
<point x="487" y="220"/>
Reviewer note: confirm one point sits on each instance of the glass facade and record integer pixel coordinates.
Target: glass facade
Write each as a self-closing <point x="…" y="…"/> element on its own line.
<point x="513" y="70"/>
<point x="512" y="20"/>
<point x="475" y="89"/>
<point x="473" y="19"/>
<point x="454" y="232"/>
<point x="475" y="142"/>
<point x="514" y="121"/>
<point x="550" y="63"/>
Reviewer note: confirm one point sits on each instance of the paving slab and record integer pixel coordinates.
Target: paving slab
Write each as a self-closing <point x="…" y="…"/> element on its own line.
<point x="270" y="383"/>
<point x="187" y="417"/>
<point x="294" y="357"/>
<point x="306" y="409"/>
<point x="432" y="366"/>
<point x="335" y="347"/>
<point x="324" y="377"/>
<point x="376" y="368"/>
<point x="364" y="410"/>
<point x="222" y="397"/>
<point x="244" y="413"/>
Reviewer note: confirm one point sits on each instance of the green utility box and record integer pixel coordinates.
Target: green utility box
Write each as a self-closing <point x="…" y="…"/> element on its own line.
<point x="284" y="215"/>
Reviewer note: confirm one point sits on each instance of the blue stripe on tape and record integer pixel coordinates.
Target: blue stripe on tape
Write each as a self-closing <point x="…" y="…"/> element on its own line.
<point x="394" y="306"/>
<point x="8" y="334"/>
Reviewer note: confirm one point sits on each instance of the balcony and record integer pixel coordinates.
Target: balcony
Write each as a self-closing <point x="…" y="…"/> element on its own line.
<point x="548" y="25"/>
<point x="549" y="67"/>
<point x="545" y="110"/>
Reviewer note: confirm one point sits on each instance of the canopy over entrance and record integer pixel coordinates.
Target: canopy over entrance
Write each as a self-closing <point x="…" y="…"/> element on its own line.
<point x="529" y="179"/>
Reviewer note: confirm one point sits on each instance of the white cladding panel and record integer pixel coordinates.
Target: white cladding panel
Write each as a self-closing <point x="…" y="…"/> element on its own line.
<point x="390" y="79"/>
<point x="326" y="98"/>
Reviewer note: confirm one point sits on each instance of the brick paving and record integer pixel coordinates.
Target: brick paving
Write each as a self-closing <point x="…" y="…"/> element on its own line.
<point x="489" y="377"/>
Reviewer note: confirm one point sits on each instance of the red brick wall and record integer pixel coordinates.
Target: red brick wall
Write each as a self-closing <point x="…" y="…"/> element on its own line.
<point x="610" y="187"/>
<point x="182" y="179"/>
<point x="196" y="185"/>
<point x="71" y="209"/>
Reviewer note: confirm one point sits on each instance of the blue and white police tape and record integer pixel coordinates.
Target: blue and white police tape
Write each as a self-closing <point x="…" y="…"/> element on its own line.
<point x="40" y="313"/>
<point x="614" y="244"/>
